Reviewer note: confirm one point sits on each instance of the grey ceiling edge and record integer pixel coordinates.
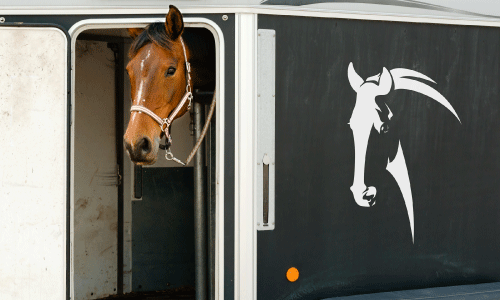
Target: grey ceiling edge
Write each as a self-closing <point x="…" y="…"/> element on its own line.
<point x="400" y="3"/>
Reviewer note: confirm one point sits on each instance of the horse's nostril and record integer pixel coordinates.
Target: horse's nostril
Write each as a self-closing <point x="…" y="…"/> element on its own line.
<point x="144" y="145"/>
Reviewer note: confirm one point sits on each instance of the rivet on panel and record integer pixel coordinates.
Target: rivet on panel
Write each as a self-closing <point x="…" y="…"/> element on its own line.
<point x="225" y="18"/>
<point x="2" y="20"/>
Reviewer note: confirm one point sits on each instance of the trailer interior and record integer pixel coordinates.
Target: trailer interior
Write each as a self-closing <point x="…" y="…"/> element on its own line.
<point x="134" y="227"/>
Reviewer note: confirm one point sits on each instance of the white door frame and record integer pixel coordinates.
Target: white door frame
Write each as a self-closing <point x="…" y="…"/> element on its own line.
<point x="83" y="25"/>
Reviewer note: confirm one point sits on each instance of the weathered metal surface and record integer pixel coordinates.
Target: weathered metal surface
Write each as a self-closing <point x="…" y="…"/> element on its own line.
<point x="33" y="122"/>
<point x="96" y="193"/>
<point x="478" y="8"/>
<point x="339" y="247"/>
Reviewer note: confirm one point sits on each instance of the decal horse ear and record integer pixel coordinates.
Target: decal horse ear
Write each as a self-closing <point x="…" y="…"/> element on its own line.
<point x="366" y="115"/>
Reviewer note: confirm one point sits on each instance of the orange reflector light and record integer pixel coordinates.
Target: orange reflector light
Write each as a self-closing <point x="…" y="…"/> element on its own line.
<point x="292" y="274"/>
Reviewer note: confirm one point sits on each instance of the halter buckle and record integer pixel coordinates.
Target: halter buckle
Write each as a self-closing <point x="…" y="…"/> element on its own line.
<point x="165" y="123"/>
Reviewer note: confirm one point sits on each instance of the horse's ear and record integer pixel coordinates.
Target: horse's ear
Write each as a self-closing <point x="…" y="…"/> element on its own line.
<point x="174" y="23"/>
<point x="354" y="79"/>
<point x="385" y="83"/>
<point x="134" y="32"/>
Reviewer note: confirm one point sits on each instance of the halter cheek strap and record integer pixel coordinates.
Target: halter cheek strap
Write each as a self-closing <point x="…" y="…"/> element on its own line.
<point x="188" y="96"/>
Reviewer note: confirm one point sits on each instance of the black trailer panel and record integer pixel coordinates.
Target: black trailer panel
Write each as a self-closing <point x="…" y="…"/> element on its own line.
<point x="338" y="246"/>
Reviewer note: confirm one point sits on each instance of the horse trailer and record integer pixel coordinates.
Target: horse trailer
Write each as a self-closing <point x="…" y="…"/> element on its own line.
<point x="352" y="152"/>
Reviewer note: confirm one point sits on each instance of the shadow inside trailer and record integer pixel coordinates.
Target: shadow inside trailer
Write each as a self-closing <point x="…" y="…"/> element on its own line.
<point x="184" y="293"/>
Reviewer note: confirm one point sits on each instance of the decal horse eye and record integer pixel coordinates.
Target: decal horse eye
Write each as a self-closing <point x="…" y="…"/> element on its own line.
<point x="384" y="128"/>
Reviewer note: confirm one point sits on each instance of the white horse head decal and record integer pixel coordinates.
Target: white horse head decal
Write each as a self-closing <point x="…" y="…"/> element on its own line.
<point x="367" y="114"/>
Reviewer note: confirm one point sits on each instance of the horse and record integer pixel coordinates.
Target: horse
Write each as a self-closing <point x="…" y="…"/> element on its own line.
<point x="166" y="64"/>
<point x="367" y="114"/>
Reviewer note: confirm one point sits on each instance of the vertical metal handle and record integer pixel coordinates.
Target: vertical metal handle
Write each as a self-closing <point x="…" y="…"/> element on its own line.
<point x="265" y="195"/>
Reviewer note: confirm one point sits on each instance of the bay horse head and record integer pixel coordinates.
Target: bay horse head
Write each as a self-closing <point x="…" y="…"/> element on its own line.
<point x="367" y="115"/>
<point x="160" y="81"/>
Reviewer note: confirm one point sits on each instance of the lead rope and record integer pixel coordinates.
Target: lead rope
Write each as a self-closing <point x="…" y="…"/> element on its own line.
<point x="203" y="132"/>
<point x="170" y="156"/>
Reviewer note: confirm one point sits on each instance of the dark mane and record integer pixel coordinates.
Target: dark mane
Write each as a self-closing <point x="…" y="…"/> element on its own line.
<point x="155" y="33"/>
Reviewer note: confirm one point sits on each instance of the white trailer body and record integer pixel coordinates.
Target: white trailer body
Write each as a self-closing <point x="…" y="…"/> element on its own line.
<point x="67" y="228"/>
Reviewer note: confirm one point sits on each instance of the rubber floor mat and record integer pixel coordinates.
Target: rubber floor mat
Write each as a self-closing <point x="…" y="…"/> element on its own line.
<point x="182" y="293"/>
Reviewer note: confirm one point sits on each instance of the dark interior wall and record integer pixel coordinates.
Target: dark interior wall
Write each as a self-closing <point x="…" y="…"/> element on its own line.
<point x="163" y="230"/>
<point x="339" y="247"/>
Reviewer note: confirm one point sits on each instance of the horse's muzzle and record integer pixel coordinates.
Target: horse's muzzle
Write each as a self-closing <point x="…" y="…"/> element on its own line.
<point x="142" y="151"/>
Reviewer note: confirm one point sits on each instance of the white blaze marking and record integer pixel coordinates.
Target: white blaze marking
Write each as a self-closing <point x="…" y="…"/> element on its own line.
<point x="139" y="95"/>
<point x="139" y="92"/>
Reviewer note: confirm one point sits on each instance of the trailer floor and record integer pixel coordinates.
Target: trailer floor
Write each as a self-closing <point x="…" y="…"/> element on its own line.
<point x="182" y="293"/>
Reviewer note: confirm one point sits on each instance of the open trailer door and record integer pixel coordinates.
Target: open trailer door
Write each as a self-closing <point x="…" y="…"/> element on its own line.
<point x="353" y="214"/>
<point x="33" y="163"/>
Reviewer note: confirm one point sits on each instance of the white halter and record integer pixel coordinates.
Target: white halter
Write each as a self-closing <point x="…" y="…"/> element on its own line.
<point x="188" y="96"/>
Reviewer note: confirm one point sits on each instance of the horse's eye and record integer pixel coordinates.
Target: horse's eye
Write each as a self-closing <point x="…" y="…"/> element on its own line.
<point x="170" y="71"/>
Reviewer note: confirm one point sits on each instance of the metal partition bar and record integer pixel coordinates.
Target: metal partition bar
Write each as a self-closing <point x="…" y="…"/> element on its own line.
<point x="200" y="216"/>
<point x="118" y="50"/>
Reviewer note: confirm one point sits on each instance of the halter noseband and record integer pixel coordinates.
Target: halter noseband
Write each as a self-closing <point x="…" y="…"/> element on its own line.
<point x="188" y="96"/>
